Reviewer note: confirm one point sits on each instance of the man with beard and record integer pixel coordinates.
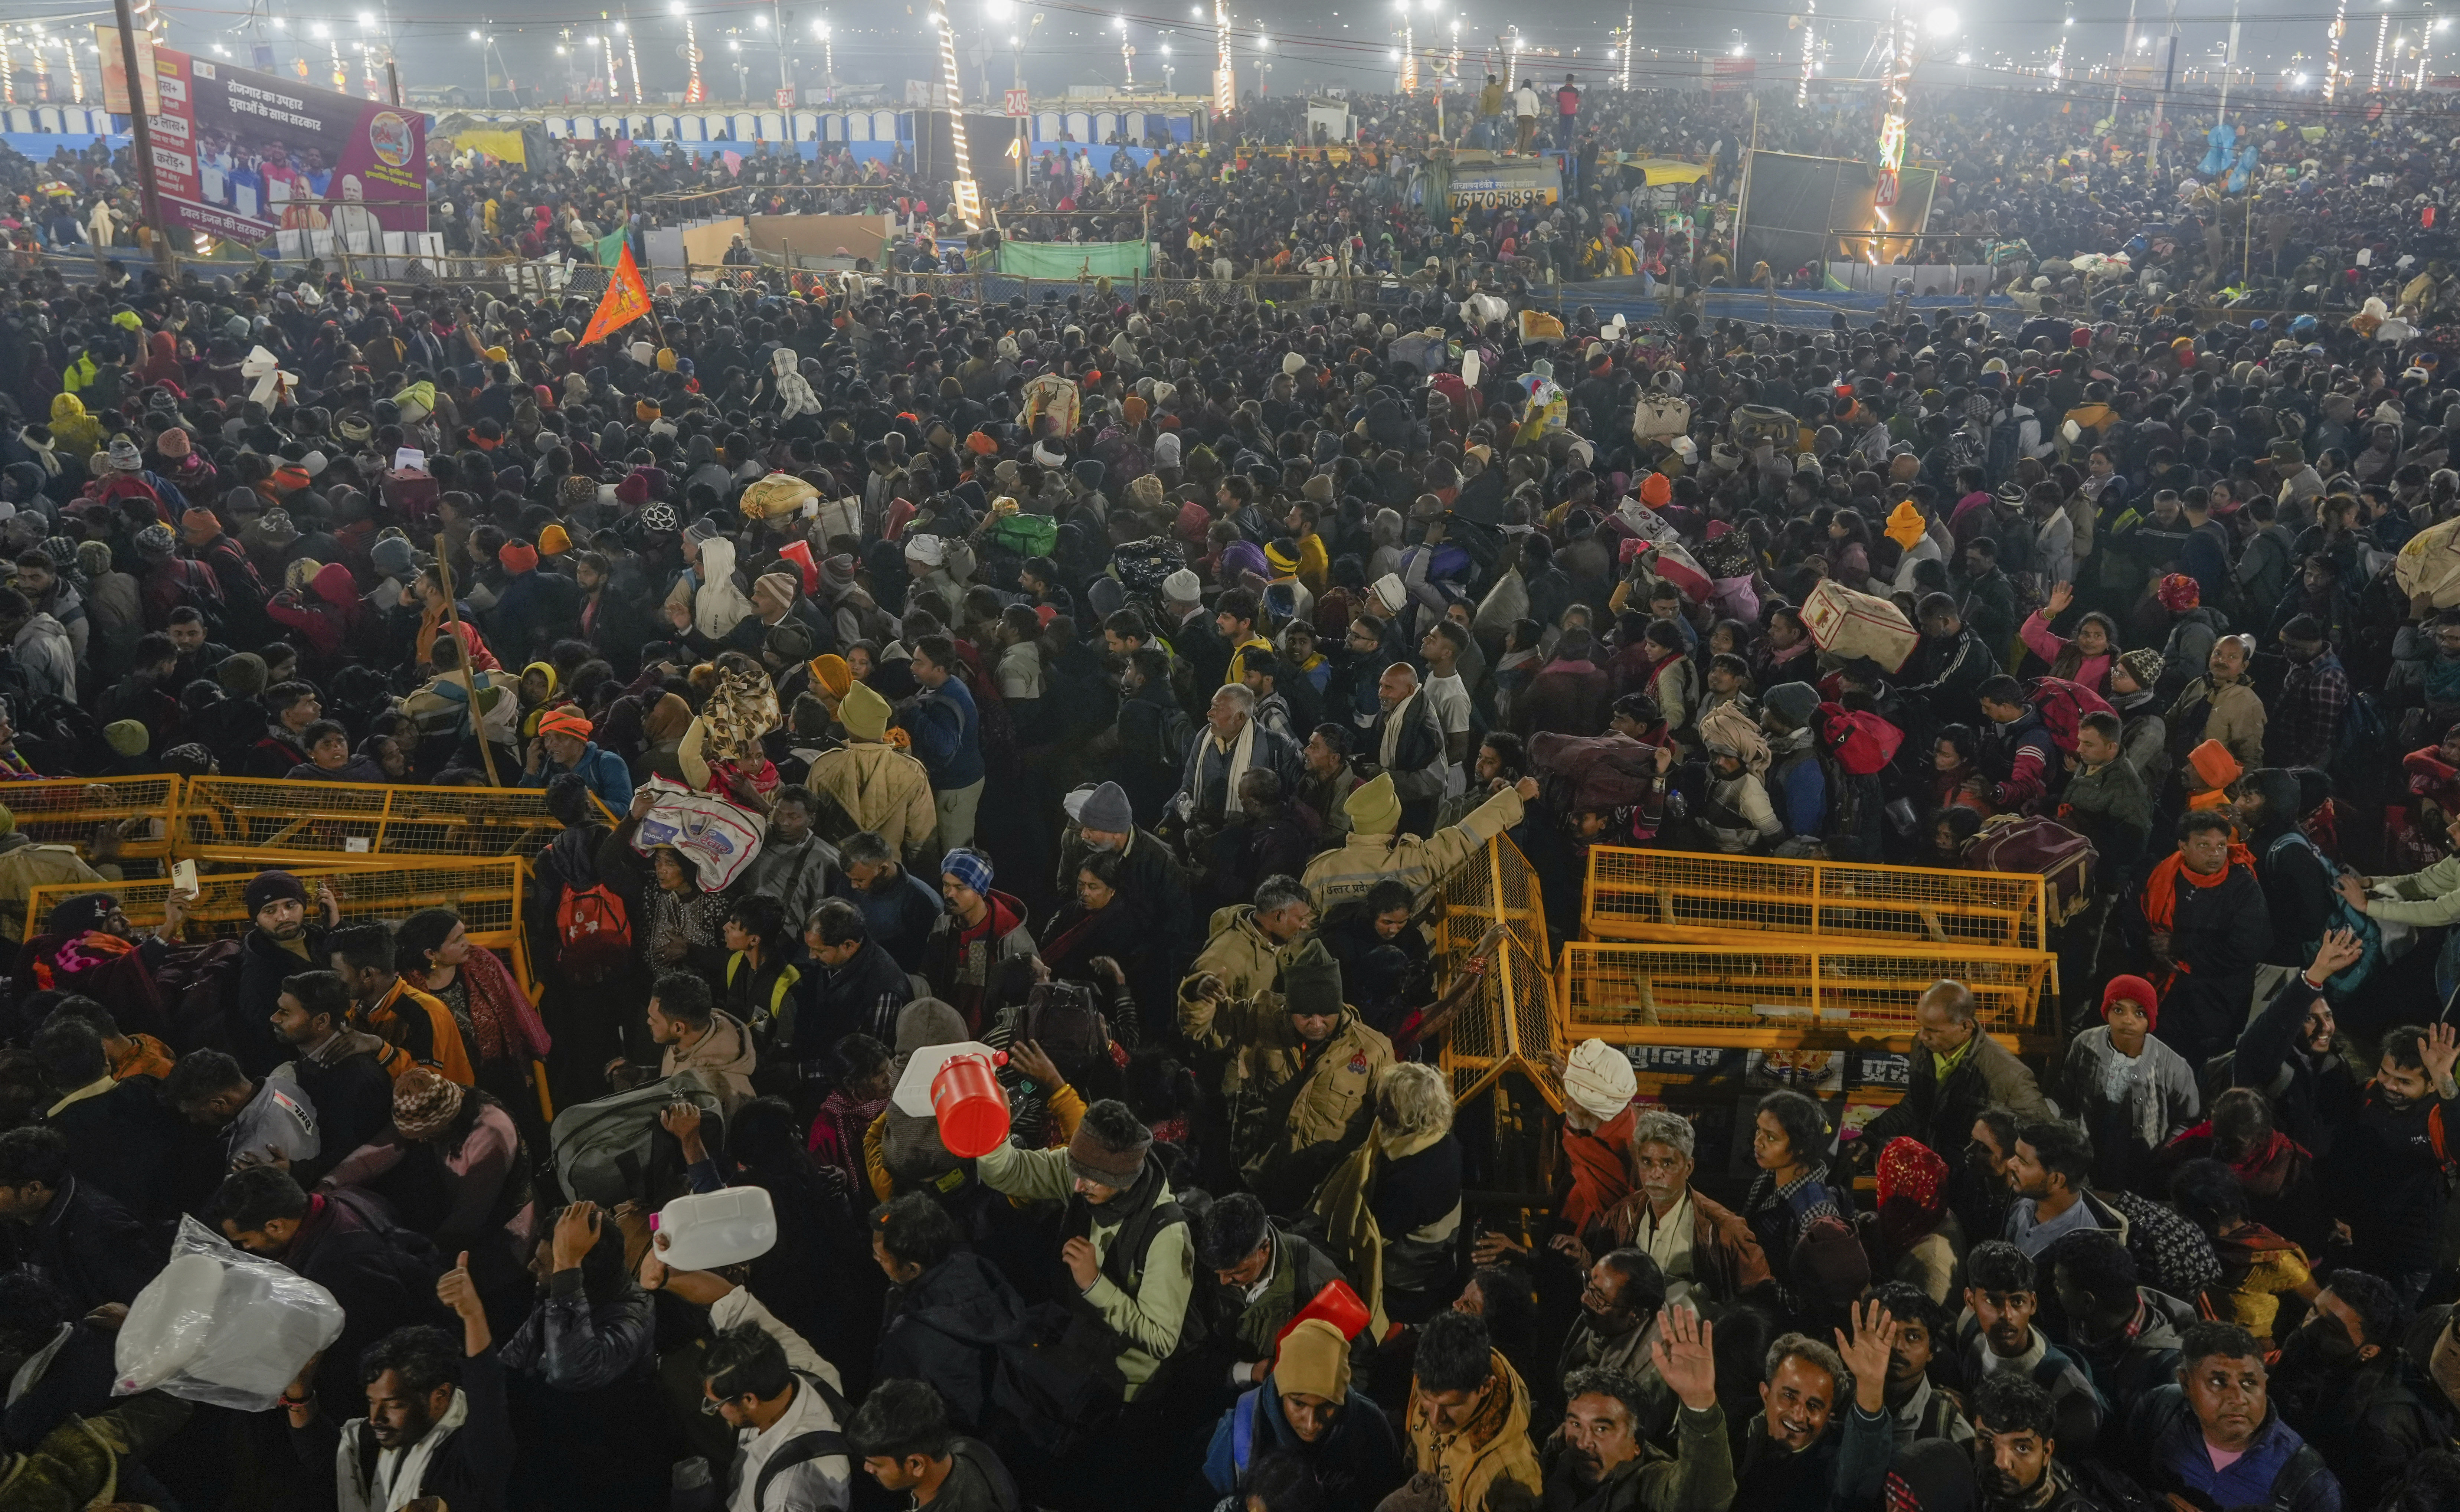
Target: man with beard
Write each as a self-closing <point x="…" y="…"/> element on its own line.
<point x="2048" y="1171"/>
<point x="898" y="907"/>
<point x="1997" y="1337"/>
<point x="1599" y="1462"/>
<point x="2385" y="1173"/>
<point x="429" y="1415"/>
<point x="1615" y="1331"/>
<point x="2341" y="1380"/>
<point x="281" y="945"/>
<point x="1309" y="1409"/>
<point x="1978" y="1193"/>
<point x="2292" y="1050"/>
<point x="2213" y="1439"/>
<point x="2015" y="1443"/>
<point x="1801" y="1454"/>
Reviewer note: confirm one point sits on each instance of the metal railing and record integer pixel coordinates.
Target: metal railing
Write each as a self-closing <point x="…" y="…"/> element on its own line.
<point x="1664" y="895"/>
<point x="260" y="821"/>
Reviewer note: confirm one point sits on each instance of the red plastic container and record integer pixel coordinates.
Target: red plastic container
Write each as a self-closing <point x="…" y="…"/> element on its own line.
<point x="1337" y="1305"/>
<point x="970" y="1107"/>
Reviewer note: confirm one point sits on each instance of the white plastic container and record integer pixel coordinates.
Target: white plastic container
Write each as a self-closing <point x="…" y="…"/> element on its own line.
<point x="223" y="1326"/>
<point x="704" y="1230"/>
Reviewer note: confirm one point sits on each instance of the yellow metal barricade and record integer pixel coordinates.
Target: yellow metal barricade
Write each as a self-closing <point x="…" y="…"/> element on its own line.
<point x="1783" y="990"/>
<point x="1510" y="1024"/>
<point x="68" y="811"/>
<point x="257" y="821"/>
<point x="487" y="895"/>
<point x="1674" y="895"/>
<point x="1495" y="886"/>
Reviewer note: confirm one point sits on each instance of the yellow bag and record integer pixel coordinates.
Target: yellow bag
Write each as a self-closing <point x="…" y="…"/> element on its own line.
<point x="777" y="495"/>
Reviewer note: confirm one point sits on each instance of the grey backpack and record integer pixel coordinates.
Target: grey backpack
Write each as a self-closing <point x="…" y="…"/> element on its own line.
<point x="613" y="1148"/>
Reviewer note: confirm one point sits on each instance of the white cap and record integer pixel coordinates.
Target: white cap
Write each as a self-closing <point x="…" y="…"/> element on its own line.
<point x="1183" y="587"/>
<point x="1599" y="1078"/>
<point x="1389" y="592"/>
<point x="929" y="550"/>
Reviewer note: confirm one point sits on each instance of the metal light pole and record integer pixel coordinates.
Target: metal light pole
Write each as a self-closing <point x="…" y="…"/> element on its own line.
<point x="1225" y="77"/>
<point x="969" y="198"/>
<point x="1809" y="30"/>
<point x="2125" y="51"/>
<point x="2382" y="38"/>
<point x="1408" y="52"/>
<point x="2332" y="58"/>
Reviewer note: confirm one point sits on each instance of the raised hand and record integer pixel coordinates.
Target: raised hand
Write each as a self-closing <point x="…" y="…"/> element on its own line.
<point x="2340" y="948"/>
<point x="456" y="1290"/>
<point x="576" y="1235"/>
<point x="1687" y="1358"/>
<point x="1038" y="1067"/>
<point x="1866" y="1353"/>
<point x="2440" y="1048"/>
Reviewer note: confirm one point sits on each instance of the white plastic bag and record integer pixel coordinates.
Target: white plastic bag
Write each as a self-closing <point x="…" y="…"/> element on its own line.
<point x="223" y="1326"/>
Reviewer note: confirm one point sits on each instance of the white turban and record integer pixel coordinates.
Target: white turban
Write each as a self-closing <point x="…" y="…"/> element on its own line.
<point x="1599" y="1079"/>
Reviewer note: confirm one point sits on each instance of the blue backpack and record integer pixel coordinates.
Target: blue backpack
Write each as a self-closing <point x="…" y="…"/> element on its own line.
<point x="2368" y="931"/>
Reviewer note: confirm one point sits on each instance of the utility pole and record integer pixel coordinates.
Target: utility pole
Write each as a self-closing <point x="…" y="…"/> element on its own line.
<point x="141" y="128"/>
<point x="2161" y="102"/>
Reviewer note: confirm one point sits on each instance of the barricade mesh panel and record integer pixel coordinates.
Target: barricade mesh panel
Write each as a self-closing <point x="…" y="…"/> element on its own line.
<point x="252" y="820"/>
<point x="1620" y="992"/>
<point x="1658" y="895"/>
<point x="67" y="811"/>
<point x="486" y="894"/>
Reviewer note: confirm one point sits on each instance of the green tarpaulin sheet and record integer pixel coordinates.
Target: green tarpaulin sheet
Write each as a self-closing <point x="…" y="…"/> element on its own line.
<point x="610" y="249"/>
<point x="1075" y="259"/>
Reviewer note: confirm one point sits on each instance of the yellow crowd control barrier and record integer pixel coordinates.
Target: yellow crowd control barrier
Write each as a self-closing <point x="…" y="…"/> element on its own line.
<point x="68" y="811"/>
<point x="1662" y="894"/>
<point x="487" y="895"/>
<point x="272" y="822"/>
<point x="1783" y="991"/>
<point x="1509" y="1025"/>
<point x="1495" y="886"/>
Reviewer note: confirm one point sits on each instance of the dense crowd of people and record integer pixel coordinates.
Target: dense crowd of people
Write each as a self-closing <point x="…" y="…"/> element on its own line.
<point x="1112" y="680"/>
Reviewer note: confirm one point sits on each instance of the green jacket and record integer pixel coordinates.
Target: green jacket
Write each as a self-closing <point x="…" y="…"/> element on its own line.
<point x="2422" y="898"/>
<point x="2113" y="796"/>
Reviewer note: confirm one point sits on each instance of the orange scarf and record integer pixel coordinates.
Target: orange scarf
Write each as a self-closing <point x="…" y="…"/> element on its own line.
<point x="2161" y="893"/>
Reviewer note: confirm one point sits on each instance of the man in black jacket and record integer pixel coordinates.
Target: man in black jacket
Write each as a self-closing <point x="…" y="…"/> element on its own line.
<point x="945" y="1302"/>
<point x="1407" y="741"/>
<point x="283" y="945"/>
<point x="345" y="1242"/>
<point x="346" y="1072"/>
<point x="412" y="1383"/>
<point x="121" y="1134"/>
<point x="2341" y="1383"/>
<point x="84" y="1242"/>
<point x="854" y="986"/>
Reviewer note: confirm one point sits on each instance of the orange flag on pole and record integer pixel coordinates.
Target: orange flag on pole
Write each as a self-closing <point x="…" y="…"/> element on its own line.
<point x="625" y="301"/>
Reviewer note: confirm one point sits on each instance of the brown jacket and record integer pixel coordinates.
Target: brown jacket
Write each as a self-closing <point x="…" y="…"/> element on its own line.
<point x="1727" y="1261"/>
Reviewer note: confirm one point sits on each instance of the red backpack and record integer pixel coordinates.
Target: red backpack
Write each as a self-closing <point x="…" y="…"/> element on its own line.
<point x="2062" y="706"/>
<point x="1862" y="742"/>
<point x="593" y="933"/>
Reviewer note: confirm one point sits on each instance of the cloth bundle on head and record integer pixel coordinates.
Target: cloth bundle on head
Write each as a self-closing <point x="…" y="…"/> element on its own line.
<point x="2125" y="989"/>
<point x="2178" y="593"/>
<point x="742" y="708"/>
<point x="970" y="867"/>
<point x="929" y="550"/>
<point x="1313" y="1361"/>
<point x="424" y="1100"/>
<point x="1599" y="1078"/>
<point x="1093" y="1159"/>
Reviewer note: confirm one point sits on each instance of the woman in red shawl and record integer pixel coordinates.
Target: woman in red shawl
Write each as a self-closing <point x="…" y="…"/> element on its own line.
<point x="162" y="364"/>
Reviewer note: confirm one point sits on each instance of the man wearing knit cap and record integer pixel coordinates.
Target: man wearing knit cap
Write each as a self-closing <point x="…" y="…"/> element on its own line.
<point x="871" y="784"/>
<point x="982" y="928"/>
<point x="1126" y="1244"/>
<point x="286" y="937"/>
<point x="1796" y="783"/>
<point x="1372" y="852"/>
<point x="562" y="744"/>
<point x="1151" y="880"/>
<point x="1303" y="1066"/>
<point x="1307" y="1410"/>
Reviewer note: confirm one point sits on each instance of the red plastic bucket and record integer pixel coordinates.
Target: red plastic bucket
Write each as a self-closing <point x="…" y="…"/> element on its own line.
<point x="970" y="1105"/>
<point x="1337" y="1305"/>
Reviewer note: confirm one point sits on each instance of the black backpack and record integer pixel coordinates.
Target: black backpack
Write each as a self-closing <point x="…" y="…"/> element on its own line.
<point x="817" y="1443"/>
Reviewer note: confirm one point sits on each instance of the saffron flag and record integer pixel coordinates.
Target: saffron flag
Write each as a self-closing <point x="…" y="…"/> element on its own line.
<point x="626" y="300"/>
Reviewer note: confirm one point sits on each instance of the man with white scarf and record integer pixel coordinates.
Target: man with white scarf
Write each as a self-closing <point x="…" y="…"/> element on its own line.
<point x="1225" y="751"/>
<point x="436" y="1425"/>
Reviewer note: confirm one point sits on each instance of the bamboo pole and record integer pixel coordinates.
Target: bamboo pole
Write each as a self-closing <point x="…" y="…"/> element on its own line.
<point x="469" y="678"/>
